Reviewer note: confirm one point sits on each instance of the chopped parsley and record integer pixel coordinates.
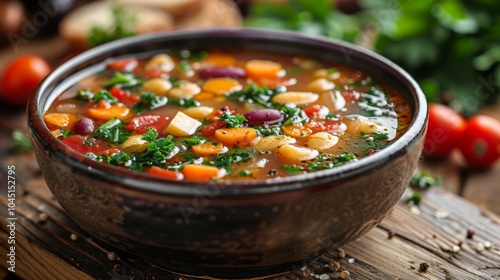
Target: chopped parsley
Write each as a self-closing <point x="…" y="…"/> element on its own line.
<point x="321" y="162"/>
<point x="245" y="173"/>
<point x="193" y="140"/>
<point x="87" y="95"/>
<point x="233" y="120"/>
<point x="268" y="130"/>
<point x="65" y="133"/>
<point x="184" y="66"/>
<point x="194" y="55"/>
<point x="184" y="102"/>
<point x="293" y="115"/>
<point x="22" y="142"/>
<point x="122" y="80"/>
<point x="423" y="180"/>
<point x="188" y="158"/>
<point x="238" y="155"/>
<point x="255" y="94"/>
<point x="158" y="149"/>
<point x="113" y="131"/>
<point x="149" y="101"/>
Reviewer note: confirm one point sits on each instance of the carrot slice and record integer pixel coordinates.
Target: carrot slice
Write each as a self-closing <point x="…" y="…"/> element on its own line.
<point x="164" y="173"/>
<point x="220" y="59"/>
<point x="257" y="68"/>
<point x="296" y="131"/>
<point x="221" y="86"/>
<point x="239" y="136"/>
<point x="200" y="172"/>
<point x="209" y="149"/>
<point x="60" y="120"/>
<point x="114" y="111"/>
<point x="202" y="96"/>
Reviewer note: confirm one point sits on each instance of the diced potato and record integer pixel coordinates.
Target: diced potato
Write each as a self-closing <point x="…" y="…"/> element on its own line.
<point x="185" y="90"/>
<point x="158" y="86"/>
<point x="134" y="144"/>
<point x="322" y="141"/>
<point x="163" y="62"/>
<point x="296" y="154"/>
<point x="272" y="142"/>
<point x="183" y="125"/>
<point x="295" y="97"/>
<point x="221" y="86"/>
<point x="320" y="85"/>
<point x="199" y="113"/>
<point x="358" y="126"/>
<point x="296" y="130"/>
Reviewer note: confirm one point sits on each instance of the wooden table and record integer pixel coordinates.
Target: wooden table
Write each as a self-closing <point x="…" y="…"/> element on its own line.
<point x="50" y="246"/>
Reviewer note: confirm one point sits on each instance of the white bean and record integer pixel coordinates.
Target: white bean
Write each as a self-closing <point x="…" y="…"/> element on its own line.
<point x="358" y="126"/>
<point x="158" y="86"/>
<point x="185" y="89"/>
<point x="199" y="113"/>
<point x="134" y="144"/>
<point x="162" y="62"/>
<point x="272" y="142"/>
<point x="295" y="97"/>
<point x="320" y="85"/>
<point x="322" y="141"/>
<point x="296" y="154"/>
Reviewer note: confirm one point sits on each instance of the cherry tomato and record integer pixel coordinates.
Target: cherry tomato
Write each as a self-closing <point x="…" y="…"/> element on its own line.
<point x="480" y="141"/>
<point x="20" y="77"/>
<point x="210" y="129"/>
<point x="84" y="145"/>
<point x="444" y="129"/>
<point x="124" y="96"/>
<point x="141" y="124"/>
<point x="326" y="125"/>
<point x="123" y="65"/>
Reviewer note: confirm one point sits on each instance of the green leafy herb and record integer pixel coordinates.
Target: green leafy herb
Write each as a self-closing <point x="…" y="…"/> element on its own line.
<point x="193" y="140"/>
<point x="255" y="94"/>
<point x="423" y="180"/>
<point x="188" y="158"/>
<point x="113" y="131"/>
<point x="123" y="80"/>
<point x="120" y="158"/>
<point x="65" y="133"/>
<point x="415" y="199"/>
<point x="123" y="22"/>
<point x="158" y="149"/>
<point x="184" y="102"/>
<point x="184" y="66"/>
<point x="149" y="100"/>
<point x="84" y="95"/>
<point x="268" y="130"/>
<point x="233" y="120"/>
<point x="294" y="168"/>
<point x="106" y="96"/>
<point x="194" y="55"/>
<point x="22" y="142"/>
<point x="236" y="156"/>
<point x="331" y="116"/>
<point x="245" y="173"/>
<point x="293" y="115"/>
<point x="321" y="162"/>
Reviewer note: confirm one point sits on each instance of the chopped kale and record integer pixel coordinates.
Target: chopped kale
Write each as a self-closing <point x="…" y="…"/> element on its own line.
<point x="293" y="115"/>
<point x="106" y="96"/>
<point x="233" y="120"/>
<point x="22" y="142"/>
<point x="184" y="66"/>
<point x="245" y="173"/>
<point x="113" y="131"/>
<point x="255" y="94"/>
<point x="149" y="101"/>
<point x="158" y="149"/>
<point x="268" y="130"/>
<point x="184" y="102"/>
<point x="237" y="156"/>
<point x="122" y="80"/>
<point x="193" y="140"/>
<point x="423" y="180"/>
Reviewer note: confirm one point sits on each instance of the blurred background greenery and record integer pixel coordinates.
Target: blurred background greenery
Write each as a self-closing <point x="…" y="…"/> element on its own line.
<point x="451" y="47"/>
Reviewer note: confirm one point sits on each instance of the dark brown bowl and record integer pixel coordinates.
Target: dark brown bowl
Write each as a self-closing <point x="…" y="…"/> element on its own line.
<point x="228" y="229"/>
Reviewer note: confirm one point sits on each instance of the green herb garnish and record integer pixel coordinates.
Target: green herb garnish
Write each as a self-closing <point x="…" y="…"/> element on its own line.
<point x="149" y="100"/>
<point x="113" y="131"/>
<point x="193" y="140"/>
<point x="423" y="180"/>
<point x="22" y="143"/>
<point x="233" y="120"/>
<point x="158" y="149"/>
<point x="184" y="102"/>
<point x="123" y="80"/>
<point x="268" y="130"/>
<point x="245" y="173"/>
<point x="106" y="96"/>
<point x="255" y="94"/>
<point x="293" y="115"/>
<point x="184" y="66"/>
<point x="238" y="155"/>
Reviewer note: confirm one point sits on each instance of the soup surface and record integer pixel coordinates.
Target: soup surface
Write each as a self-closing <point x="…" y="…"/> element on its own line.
<point x="211" y="115"/>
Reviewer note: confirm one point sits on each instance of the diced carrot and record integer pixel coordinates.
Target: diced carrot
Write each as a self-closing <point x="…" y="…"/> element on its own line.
<point x="202" y="96"/>
<point x="200" y="172"/>
<point x="60" y="120"/>
<point x="296" y="131"/>
<point x="164" y="173"/>
<point x="221" y="86"/>
<point x="257" y="68"/>
<point x="114" y="111"/>
<point x="239" y="136"/>
<point x="275" y="82"/>
<point x="110" y="152"/>
<point x="209" y="149"/>
<point x="220" y="59"/>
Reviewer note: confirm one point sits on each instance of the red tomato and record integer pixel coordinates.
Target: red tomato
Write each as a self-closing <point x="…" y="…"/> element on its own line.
<point x="326" y="125"/>
<point x="140" y="124"/>
<point x="350" y="95"/>
<point x="20" y="77"/>
<point x="124" y="96"/>
<point x="217" y="114"/>
<point x="84" y="145"/>
<point x="480" y="141"/>
<point x="444" y="129"/>
<point x="316" y="111"/>
<point x="275" y="82"/>
<point x="164" y="173"/>
<point x="210" y="129"/>
<point x="123" y="65"/>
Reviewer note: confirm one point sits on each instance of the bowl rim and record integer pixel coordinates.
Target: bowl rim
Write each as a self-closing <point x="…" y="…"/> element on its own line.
<point x="145" y="182"/>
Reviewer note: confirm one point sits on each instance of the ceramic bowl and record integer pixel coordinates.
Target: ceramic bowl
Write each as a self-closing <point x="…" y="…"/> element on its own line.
<point x="228" y="229"/>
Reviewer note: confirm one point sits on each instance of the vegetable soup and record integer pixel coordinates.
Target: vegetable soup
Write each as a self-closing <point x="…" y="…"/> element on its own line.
<point x="212" y="115"/>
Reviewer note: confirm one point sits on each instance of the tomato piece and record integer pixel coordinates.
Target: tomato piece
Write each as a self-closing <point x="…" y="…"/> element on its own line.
<point x="110" y="152"/>
<point x="124" y="96"/>
<point x="217" y="114"/>
<point x="20" y="78"/>
<point x="480" y="141"/>
<point x="350" y="95"/>
<point x="164" y="173"/>
<point x="141" y="124"/>
<point x="123" y="65"/>
<point x="275" y="82"/>
<point x="326" y="125"/>
<point x="444" y="129"/>
<point x="316" y="111"/>
<point x="358" y="76"/>
<point x="210" y="129"/>
<point x="84" y="144"/>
